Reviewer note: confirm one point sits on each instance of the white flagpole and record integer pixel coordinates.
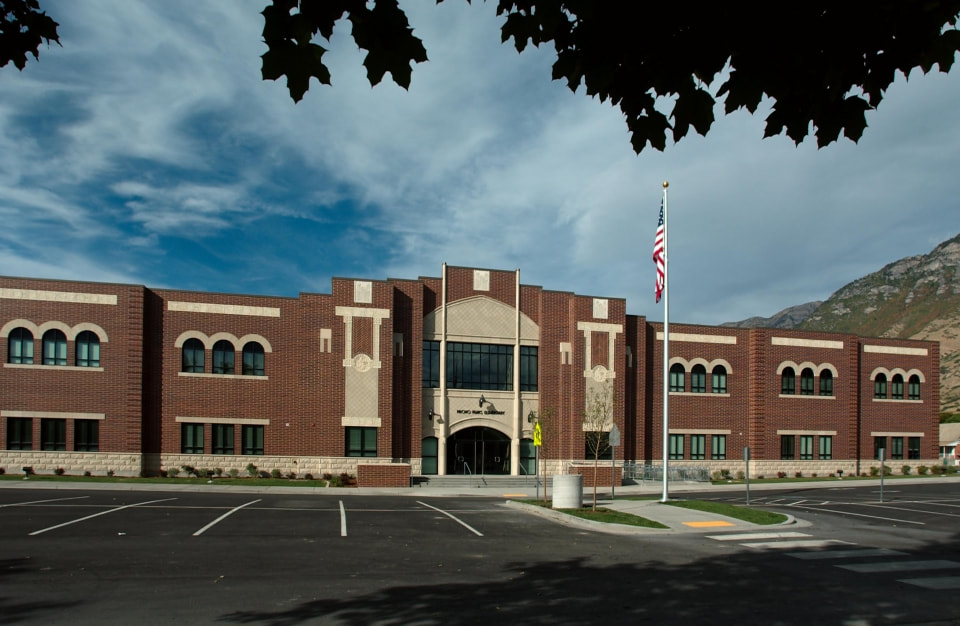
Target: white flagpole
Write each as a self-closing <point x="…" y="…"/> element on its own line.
<point x="666" y="348"/>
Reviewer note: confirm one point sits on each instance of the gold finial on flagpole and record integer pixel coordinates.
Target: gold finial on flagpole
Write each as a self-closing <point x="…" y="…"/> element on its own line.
<point x="666" y="184"/>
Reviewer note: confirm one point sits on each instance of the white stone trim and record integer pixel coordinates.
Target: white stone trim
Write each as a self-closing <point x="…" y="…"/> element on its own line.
<point x="894" y="434"/>
<point x="55" y="414"/>
<point x="806" y="343"/>
<point x="895" y="350"/>
<point x="232" y="376"/>
<point x="222" y="309"/>
<point x="820" y="433"/>
<point x="248" y="421"/>
<point x="699" y="431"/>
<point x="693" y="338"/>
<point x="71" y="297"/>
<point x="39" y="366"/>
<point x="361" y="421"/>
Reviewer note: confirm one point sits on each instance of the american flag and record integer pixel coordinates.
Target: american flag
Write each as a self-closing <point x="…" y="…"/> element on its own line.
<point x="658" y="245"/>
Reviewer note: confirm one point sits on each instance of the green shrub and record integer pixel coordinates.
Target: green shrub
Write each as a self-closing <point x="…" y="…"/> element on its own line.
<point x="173" y="471"/>
<point x="189" y="469"/>
<point x="292" y="475"/>
<point x="798" y="475"/>
<point x="874" y="471"/>
<point x="234" y="472"/>
<point x="251" y="469"/>
<point x="275" y="473"/>
<point x="887" y="471"/>
<point x="741" y="475"/>
<point x="334" y="481"/>
<point x="218" y="471"/>
<point x="922" y="470"/>
<point x="951" y="469"/>
<point x="905" y="470"/>
<point x="59" y="471"/>
<point x="937" y="469"/>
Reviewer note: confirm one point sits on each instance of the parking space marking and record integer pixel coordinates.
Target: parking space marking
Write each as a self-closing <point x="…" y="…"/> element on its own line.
<point x="224" y="516"/>
<point x="459" y="521"/>
<point x="119" y="508"/>
<point x="944" y="582"/>
<point x="886" y="519"/>
<point x="343" y="520"/>
<point x="3" y="506"/>
<point x="903" y="508"/>
<point x="748" y="536"/>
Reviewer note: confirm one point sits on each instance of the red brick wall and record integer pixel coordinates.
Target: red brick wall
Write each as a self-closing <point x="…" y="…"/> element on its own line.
<point x="604" y="474"/>
<point x="115" y="391"/>
<point x="383" y="475"/>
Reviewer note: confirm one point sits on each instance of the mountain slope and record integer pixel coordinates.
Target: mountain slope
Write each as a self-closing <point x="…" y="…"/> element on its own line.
<point x="917" y="297"/>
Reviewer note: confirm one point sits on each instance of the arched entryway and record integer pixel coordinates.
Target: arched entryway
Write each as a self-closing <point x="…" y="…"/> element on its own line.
<point x="478" y="451"/>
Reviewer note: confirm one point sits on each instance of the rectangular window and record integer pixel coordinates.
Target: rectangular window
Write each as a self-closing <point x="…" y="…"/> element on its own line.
<point x="19" y="433"/>
<point x="252" y="439"/>
<point x="913" y="448"/>
<point x="86" y="435"/>
<point x="528" y="368"/>
<point x="597" y="442"/>
<point x="806" y="383"/>
<point x="719" y="382"/>
<point x="880" y="388"/>
<point x="896" y="388"/>
<point x="806" y="447"/>
<point x="698" y="380"/>
<point x="222" y="442"/>
<point x="788" y="384"/>
<point x="676" y="446"/>
<point x="913" y="388"/>
<point x="826" y="383"/>
<point x="826" y="447"/>
<point x="677" y="382"/>
<point x="698" y="447"/>
<point x="191" y="438"/>
<point x="361" y="441"/>
<point x="431" y="364"/>
<point x="53" y="434"/>
<point x="880" y="443"/>
<point x="479" y="366"/>
<point x="896" y="448"/>
<point x="718" y="447"/>
<point x="788" y="447"/>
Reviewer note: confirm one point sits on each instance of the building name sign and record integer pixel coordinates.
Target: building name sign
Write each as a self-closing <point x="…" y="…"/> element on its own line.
<point x="479" y="412"/>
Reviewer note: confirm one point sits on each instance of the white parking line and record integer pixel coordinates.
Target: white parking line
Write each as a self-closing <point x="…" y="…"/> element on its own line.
<point x="343" y="520"/>
<point x="942" y="582"/>
<point x="886" y="519"/>
<point x="459" y="521"/>
<point x="119" y="508"/>
<point x="222" y="517"/>
<point x="749" y="536"/>
<point x="3" y="506"/>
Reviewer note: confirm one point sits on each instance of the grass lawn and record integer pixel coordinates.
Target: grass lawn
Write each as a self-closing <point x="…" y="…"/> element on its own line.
<point x="747" y="514"/>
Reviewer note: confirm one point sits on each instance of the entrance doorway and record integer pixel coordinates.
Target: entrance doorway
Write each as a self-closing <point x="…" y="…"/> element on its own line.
<point x="478" y="451"/>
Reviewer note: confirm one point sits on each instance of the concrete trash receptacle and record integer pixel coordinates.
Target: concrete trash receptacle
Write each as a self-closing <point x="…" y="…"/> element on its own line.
<point x="568" y="491"/>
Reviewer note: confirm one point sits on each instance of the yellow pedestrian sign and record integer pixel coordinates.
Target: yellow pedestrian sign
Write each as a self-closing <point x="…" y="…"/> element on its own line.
<point x="537" y="435"/>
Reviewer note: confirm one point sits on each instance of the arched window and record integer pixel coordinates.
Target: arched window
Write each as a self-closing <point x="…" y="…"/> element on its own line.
<point x="880" y="386"/>
<point x="677" y="373"/>
<point x="88" y="349"/>
<point x="913" y="388"/>
<point x="54" y="347"/>
<point x="788" y="382"/>
<point x="719" y="379"/>
<point x="698" y="379"/>
<point x="192" y="356"/>
<point x="253" y="359"/>
<point x="896" y="387"/>
<point x="20" y="346"/>
<point x="806" y="382"/>
<point x="223" y="355"/>
<point x="826" y="383"/>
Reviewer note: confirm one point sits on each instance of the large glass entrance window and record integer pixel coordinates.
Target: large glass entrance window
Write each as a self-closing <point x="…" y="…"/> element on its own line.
<point x="478" y="451"/>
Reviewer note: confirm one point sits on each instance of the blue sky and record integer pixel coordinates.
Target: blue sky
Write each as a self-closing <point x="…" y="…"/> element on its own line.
<point x="148" y="150"/>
